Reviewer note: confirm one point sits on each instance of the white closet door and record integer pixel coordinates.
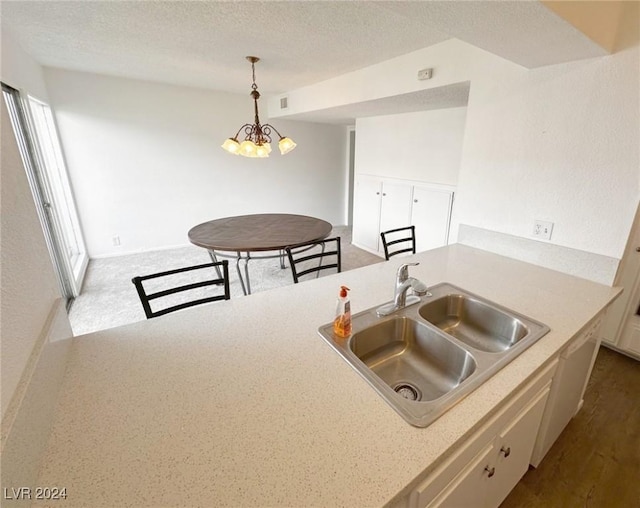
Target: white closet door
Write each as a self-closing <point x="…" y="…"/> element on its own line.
<point x="431" y="215"/>
<point x="396" y="206"/>
<point x="366" y="212"/>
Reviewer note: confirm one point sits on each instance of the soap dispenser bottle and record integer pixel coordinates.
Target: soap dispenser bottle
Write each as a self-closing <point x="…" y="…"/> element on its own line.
<point x="342" y="322"/>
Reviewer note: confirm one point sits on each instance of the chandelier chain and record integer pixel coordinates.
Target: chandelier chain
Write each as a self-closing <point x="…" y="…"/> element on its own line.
<point x="253" y="73"/>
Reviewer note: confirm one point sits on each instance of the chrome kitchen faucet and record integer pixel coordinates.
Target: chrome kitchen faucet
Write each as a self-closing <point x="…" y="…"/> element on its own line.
<point x="400" y="298"/>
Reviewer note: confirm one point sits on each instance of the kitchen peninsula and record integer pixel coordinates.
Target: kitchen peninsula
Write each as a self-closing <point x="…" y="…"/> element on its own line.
<point x="242" y="403"/>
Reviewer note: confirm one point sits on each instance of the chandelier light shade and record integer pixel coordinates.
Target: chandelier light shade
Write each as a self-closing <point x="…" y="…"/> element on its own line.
<point x="257" y="137"/>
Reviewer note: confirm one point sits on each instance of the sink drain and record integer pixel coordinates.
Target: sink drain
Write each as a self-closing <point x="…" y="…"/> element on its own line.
<point x="407" y="391"/>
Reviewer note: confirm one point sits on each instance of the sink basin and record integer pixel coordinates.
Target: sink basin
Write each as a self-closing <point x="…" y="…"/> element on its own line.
<point x="475" y="323"/>
<point x="424" y="359"/>
<point x="415" y="361"/>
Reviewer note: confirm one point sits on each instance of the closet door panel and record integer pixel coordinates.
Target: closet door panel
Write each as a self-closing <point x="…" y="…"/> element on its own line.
<point x="431" y="215"/>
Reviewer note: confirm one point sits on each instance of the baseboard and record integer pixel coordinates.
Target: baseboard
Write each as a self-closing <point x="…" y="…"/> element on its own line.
<point x="28" y="420"/>
<point x="179" y="246"/>
<point x="142" y="251"/>
<point x="371" y="251"/>
<point x="625" y="352"/>
<point x="80" y="273"/>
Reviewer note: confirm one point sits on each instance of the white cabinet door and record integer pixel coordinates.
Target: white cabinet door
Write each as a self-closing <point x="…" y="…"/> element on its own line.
<point x="395" y="211"/>
<point x="469" y="488"/>
<point x="495" y="471"/>
<point x="515" y="446"/>
<point x="482" y="470"/>
<point x="431" y="214"/>
<point x="381" y="204"/>
<point x="366" y="212"/>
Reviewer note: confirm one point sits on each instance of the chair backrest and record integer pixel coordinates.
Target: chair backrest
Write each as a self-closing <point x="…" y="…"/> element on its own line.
<point x="205" y="275"/>
<point x="399" y="240"/>
<point x="314" y="257"/>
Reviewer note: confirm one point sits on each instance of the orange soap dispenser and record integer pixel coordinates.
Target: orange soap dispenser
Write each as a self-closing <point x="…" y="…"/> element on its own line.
<point x="342" y="322"/>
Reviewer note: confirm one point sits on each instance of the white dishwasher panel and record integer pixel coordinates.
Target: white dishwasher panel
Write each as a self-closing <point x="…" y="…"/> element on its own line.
<point x="569" y="384"/>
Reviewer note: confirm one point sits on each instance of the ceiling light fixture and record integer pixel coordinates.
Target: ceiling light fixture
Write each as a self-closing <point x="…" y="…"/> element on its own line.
<point x="257" y="141"/>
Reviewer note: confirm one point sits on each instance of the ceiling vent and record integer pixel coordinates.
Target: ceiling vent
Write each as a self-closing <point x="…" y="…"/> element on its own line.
<point x="284" y="102"/>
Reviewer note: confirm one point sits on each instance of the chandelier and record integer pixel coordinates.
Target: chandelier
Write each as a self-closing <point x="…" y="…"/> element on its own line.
<point x="257" y="139"/>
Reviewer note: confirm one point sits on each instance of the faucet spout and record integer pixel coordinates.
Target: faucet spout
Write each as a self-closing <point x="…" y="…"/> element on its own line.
<point x="403" y="283"/>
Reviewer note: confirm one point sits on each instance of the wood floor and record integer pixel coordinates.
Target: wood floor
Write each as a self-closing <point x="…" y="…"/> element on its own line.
<point x="596" y="461"/>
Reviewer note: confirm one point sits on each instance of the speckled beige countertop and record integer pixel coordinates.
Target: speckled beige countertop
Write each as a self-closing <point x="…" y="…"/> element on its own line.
<point x="242" y="403"/>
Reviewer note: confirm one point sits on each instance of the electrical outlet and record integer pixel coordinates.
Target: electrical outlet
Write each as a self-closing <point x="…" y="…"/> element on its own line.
<point x="116" y="241"/>
<point x="542" y="229"/>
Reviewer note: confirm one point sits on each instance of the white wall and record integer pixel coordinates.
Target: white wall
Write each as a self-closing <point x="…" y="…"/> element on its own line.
<point x="557" y="143"/>
<point x="146" y="165"/>
<point x="561" y="144"/>
<point x="19" y="69"/>
<point x="35" y="329"/>
<point x="424" y="146"/>
<point x="29" y="287"/>
<point x="453" y="61"/>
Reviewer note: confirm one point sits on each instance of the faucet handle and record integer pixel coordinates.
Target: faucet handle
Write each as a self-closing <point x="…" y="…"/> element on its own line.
<point x="403" y="271"/>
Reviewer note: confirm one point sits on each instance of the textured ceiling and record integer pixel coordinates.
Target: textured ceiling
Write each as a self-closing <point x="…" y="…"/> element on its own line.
<point x="204" y="43"/>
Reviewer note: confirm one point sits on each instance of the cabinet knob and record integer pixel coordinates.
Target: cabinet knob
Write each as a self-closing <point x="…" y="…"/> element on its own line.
<point x="637" y="249"/>
<point x="377" y="193"/>
<point x="415" y="200"/>
<point x="505" y="451"/>
<point x="491" y="471"/>
<point x="384" y="193"/>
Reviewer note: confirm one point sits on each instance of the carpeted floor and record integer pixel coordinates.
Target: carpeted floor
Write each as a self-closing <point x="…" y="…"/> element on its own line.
<point x="109" y="298"/>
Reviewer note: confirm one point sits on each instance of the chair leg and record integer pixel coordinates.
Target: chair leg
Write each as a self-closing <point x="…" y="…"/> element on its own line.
<point x="320" y="262"/>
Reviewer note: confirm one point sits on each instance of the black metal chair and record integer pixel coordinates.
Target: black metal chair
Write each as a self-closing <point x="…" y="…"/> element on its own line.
<point x="176" y="284"/>
<point x="305" y="259"/>
<point x="399" y="240"/>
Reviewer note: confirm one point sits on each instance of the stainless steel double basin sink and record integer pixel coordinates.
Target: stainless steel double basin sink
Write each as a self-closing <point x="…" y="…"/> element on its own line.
<point x="425" y="358"/>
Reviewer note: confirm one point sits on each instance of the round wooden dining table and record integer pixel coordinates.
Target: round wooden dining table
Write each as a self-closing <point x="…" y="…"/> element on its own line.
<point x="257" y="233"/>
